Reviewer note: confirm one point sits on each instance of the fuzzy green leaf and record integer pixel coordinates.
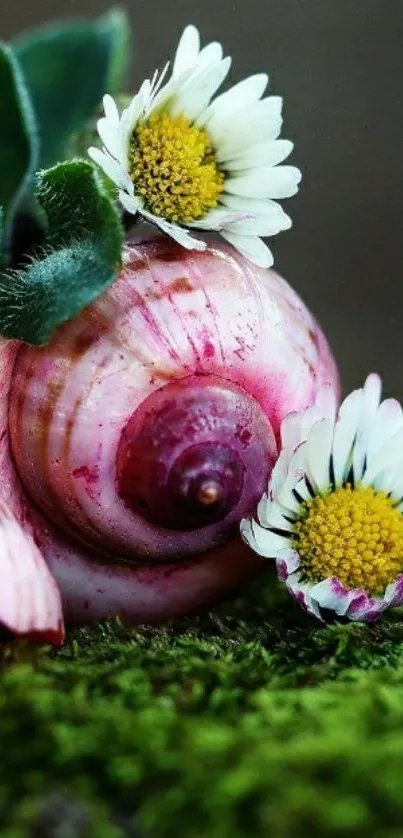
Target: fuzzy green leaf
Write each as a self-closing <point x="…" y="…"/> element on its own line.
<point x="18" y="137"/>
<point x="52" y="291"/>
<point x="77" y="206"/>
<point x="68" y="67"/>
<point x="81" y="261"/>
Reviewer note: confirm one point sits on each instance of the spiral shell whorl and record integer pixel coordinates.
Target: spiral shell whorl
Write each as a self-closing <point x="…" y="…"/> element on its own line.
<point x="198" y="451"/>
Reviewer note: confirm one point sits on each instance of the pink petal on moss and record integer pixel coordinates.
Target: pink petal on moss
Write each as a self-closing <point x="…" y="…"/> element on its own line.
<point x="30" y="602"/>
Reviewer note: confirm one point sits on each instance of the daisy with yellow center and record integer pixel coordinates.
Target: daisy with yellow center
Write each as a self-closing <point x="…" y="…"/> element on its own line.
<point x="333" y="515"/>
<point x="185" y="160"/>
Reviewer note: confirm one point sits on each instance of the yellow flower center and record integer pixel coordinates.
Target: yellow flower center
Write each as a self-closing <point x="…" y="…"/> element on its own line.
<point x="174" y="169"/>
<point x="355" y="534"/>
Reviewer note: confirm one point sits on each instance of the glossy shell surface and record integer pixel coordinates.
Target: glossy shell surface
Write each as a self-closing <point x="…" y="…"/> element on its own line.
<point x="206" y="319"/>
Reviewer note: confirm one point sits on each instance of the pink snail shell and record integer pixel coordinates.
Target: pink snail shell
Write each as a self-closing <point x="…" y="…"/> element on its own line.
<point x="149" y="426"/>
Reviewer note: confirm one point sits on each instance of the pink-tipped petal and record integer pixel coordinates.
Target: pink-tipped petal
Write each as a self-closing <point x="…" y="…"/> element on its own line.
<point x="301" y="592"/>
<point x="287" y="562"/>
<point x="366" y="608"/>
<point x="394" y="592"/>
<point x="332" y="595"/>
<point x="355" y="604"/>
<point x="30" y="602"/>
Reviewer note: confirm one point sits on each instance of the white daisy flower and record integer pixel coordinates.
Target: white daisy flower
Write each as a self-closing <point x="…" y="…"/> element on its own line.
<point x="333" y="515"/>
<point x="183" y="159"/>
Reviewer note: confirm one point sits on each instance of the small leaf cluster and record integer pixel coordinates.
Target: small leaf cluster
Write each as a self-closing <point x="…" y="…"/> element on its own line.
<point x="60" y="232"/>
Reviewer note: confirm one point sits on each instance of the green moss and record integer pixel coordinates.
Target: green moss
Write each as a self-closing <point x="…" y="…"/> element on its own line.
<point x="250" y="721"/>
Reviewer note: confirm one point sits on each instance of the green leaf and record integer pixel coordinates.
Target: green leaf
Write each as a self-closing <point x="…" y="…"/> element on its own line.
<point x="85" y="243"/>
<point x="51" y="292"/>
<point x="68" y="67"/>
<point x="77" y="206"/>
<point x="115" y="25"/>
<point x="18" y="138"/>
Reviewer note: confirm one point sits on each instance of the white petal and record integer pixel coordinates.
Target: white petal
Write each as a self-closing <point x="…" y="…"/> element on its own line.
<point x="273" y="517"/>
<point x="130" y="203"/>
<point x="132" y="113"/>
<point x="134" y="110"/>
<point x="110" y="136"/>
<point x="288" y="502"/>
<point x="296" y="465"/>
<point x="385" y="458"/>
<point x="159" y="99"/>
<point x="252" y="248"/>
<point x="394" y="483"/>
<point x="386" y="424"/>
<point x="182" y="237"/>
<point x="386" y="479"/>
<point x="295" y="473"/>
<point x="387" y="420"/>
<point x="262" y="509"/>
<point x="326" y="402"/>
<point x="251" y="206"/>
<point x="270" y="510"/>
<point x="269" y="153"/>
<point x="291" y="431"/>
<point x="287" y="562"/>
<point x="260" y="208"/>
<point x="261" y="225"/>
<point x="373" y="389"/>
<point x="302" y="490"/>
<point x="355" y="604"/>
<point x="194" y="96"/>
<point x="372" y="396"/>
<point x="262" y="541"/>
<point x="111" y="110"/>
<point x="177" y="233"/>
<point x="344" y="435"/>
<point x="280" y="182"/>
<point x="301" y="591"/>
<point x="318" y="451"/>
<point x="394" y="592"/>
<point x="255" y="123"/>
<point x="239" y="127"/>
<point x="157" y="83"/>
<point x="111" y="168"/>
<point x="279" y="473"/>
<point x="296" y="426"/>
<point x="239" y="96"/>
<point x="211" y="54"/>
<point x="217" y="219"/>
<point x="247" y="534"/>
<point x="332" y="595"/>
<point x="187" y="51"/>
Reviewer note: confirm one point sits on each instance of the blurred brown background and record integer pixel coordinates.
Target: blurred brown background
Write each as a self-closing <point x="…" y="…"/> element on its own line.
<point x="339" y="65"/>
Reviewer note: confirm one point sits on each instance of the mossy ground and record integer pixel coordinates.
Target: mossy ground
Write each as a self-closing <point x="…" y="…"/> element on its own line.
<point x="253" y="720"/>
